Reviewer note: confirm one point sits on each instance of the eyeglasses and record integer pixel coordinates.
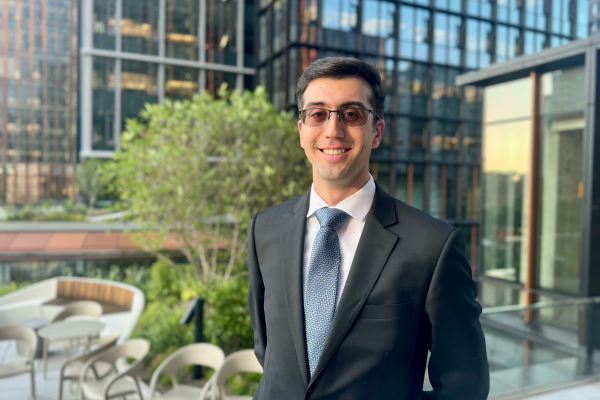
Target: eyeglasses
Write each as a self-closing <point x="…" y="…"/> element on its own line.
<point x="353" y="117"/>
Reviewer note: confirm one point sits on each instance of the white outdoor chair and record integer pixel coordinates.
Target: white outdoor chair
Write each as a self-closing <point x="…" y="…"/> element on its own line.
<point x="204" y="354"/>
<point x="79" y="308"/>
<point x="240" y="361"/>
<point x="74" y="310"/>
<point x="71" y="368"/>
<point x="123" y="381"/>
<point x="27" y="337"/>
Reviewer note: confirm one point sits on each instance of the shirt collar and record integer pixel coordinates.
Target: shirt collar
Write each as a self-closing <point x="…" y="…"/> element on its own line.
<point x="357" y="205"/>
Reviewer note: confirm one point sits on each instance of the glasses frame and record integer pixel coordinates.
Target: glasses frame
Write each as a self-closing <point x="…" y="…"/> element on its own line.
<point x="303" y="115"/>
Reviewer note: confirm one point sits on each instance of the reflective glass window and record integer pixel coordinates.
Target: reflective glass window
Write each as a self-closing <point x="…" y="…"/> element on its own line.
<point x="416" y="196"/>
<point x="138" y="86"/>
<point x="139" y="26"/>
<point x="561" y="186"/>
<point x="420" y="88"/>
<point x="401" y="181"/>
<point x="249" y="34"/>
<point x="339" y="23"/>
<point x="378" y="27"/>
<point x="279" y="21"/>
<point x="404" y="87"/>
<point x="181" y="31"/>
<point x="181" y="82"/>
<point x="263" y="48"/>
<point x="447" y="39"/>
<point x="506" y="171"/>
<point x="403" y="137"/>
<point x="582" y="18"/>
<point x="103" y="104"/>
<point x="219" y="80"/>
<point x="221" y="32"/>
<point x="279" y="87"/>
<point x="103" y="24"/>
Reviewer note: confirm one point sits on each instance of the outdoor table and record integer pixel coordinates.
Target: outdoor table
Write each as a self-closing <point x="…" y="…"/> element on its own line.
<point x="66" y="330"/>
<point x="36" y="324"/>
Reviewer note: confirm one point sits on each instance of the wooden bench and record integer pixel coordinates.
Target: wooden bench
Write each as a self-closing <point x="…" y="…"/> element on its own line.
<point x="113" y="299"/>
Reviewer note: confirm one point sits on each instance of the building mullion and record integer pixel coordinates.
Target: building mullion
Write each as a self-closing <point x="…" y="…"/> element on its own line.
<point x="117" y="110"/>
<point x="203" y="15"/>
<point x="240" y="42"/>
<point x="162" y="22"/>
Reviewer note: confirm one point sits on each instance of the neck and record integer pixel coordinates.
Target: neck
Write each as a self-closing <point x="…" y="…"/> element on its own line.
<point x="334" y="193"/>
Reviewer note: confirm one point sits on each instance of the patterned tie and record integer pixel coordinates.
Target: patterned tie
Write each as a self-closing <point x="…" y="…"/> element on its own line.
<point x="320" y="293"/>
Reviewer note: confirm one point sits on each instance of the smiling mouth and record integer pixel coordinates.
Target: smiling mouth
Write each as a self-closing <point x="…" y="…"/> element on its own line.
<point x="334" y="152"/>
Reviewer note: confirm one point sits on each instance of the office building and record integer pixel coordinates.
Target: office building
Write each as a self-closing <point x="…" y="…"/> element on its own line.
<point x="143" y="51"/>
<point x="431" y="153"/>
<point x="38" y="99"/>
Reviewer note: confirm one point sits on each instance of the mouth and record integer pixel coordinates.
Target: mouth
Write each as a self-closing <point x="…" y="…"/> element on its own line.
<point x="334" y="152"/>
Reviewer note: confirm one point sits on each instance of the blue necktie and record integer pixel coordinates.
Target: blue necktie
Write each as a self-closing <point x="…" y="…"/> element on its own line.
<point x="320" y="293"/>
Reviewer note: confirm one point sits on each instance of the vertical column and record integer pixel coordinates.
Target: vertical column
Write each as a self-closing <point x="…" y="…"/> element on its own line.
<point x="162" y="20"/>
<point x="534" y="173"/>
<point x="117" y="113"/>
<point x="85" y="89"/>
<point x="239" y="84"/>
<point x="590" y="216"/>
<point x="202" y="43"/>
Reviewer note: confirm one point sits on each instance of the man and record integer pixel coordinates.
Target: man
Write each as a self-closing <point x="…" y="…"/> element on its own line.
<point x="350" y="288"/>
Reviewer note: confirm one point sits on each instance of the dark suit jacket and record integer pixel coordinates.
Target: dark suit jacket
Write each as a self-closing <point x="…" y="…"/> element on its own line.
<point x="409" y="291"/>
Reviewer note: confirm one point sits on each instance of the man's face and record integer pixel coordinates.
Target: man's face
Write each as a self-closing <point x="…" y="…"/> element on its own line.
<point x="339" y="154"/>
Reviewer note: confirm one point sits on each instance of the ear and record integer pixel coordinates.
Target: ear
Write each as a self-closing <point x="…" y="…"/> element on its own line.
<point x="378" y="133"/>
<point x="300" y="133"/>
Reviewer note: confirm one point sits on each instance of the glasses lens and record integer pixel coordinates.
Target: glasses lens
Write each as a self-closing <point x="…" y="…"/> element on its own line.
<point x="315" y="117"/>
<point x="354" y="116"/>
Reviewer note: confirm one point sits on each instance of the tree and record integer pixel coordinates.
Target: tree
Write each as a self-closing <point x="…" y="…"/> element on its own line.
<point x="195" y="172"/>
<point x="89" y="180"/>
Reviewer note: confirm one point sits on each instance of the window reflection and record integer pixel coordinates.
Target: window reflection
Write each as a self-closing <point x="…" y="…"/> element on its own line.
<point x="221" y="32"/>
<point x="378" y="27"/>
<point x="447" y="39"/>
<point x="138" y="86"/>
<point x="561" y="189"/>
<point x="414" y="36"/>
<point x="139" y="26"/>
<point x="182" y="29"/>
<point x="477" y="47"/>
<point x="219" y="80"/>
<point x="181" y="82"/>
<point x="339" y="23"/>
<point x="103" y="25"/>
<point x="506" y="171"/>
<point x="103" y="103"/>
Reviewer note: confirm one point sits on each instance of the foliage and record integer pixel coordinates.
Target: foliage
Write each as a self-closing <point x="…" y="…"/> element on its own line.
<point x="11" y="287"/>
<point x="65" y="211"/>
<point x="89" y="179"/>
<point x="194" y="172"/>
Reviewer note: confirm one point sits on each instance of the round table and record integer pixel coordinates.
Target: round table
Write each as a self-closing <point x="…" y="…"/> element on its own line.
<point x="36" y="324"/>
<point x="65" y="330"/>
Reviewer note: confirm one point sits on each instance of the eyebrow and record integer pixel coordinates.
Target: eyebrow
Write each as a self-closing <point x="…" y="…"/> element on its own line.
<point x="345" y="104"/>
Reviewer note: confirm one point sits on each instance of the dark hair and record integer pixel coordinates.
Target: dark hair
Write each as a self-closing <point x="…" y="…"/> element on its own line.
<point x="339" y="68"/>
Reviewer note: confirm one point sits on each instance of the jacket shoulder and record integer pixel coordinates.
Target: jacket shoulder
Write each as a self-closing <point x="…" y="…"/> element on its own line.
<point x="419" y="222"/>
<point x="278" y="212"/>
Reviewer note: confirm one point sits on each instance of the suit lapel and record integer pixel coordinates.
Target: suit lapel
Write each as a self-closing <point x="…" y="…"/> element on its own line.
<point x="292" y="252"/>
<point x="374" y="248"/>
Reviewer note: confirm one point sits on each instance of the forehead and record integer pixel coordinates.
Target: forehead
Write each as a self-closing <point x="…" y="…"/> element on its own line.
<point x="331" y="92"/>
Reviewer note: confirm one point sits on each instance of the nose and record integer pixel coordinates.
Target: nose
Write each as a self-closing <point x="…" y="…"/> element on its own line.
<point x="334" y="126"/>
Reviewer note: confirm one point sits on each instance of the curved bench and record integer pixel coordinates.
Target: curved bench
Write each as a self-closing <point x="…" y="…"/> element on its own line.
<point x="122" y="303"/>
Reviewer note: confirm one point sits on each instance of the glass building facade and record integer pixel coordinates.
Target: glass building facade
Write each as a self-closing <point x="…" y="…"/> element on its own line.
<point x="38" y="99"/>
<point x="143" y="51"/>
<point x="541" y="162"/>
<point x="431" y="152"/>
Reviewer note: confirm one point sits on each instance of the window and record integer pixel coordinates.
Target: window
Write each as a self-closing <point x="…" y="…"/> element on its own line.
<point x="221" y="32"/>
<point x="138" y="86"/>
<point x="103" y="103"/>
<point x="339" y="23"/>
<point x="181" y="82"/>
<point x="139" y="26"/>
<point x="181" y="31"/>
<point x="378" y="27"/>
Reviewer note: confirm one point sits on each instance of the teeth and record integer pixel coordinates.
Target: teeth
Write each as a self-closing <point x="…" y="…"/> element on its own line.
<point x="334" y="152"/>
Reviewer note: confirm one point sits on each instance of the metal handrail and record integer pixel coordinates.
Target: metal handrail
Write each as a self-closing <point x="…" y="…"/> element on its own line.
<point x="540" y="305"/>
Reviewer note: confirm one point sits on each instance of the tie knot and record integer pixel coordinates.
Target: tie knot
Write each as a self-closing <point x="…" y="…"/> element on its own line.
<point x="331" y="217"/>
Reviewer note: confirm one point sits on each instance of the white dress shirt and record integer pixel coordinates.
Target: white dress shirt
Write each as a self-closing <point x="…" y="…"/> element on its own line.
<point x="357" y="206"/>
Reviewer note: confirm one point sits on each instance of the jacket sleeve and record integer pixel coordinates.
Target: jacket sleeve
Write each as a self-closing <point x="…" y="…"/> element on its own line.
<point x="256" y="291"/>
<point x="458" y="366"/>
